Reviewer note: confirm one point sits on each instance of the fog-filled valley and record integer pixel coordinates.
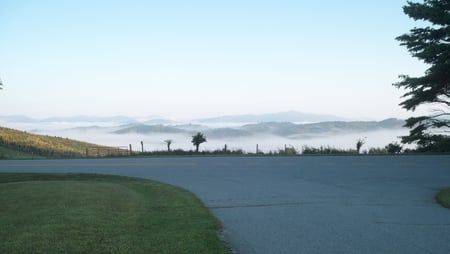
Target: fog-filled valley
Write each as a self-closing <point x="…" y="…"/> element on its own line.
<point x="270" y="132"/>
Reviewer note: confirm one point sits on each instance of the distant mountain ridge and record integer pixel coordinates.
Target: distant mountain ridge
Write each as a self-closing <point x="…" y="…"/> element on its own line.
<point x="292" y="130"/>
<point x="289" y="116"/>
<point x="147" y="129"/>
<point x="69" y="119"/>
<point x="292" y="125"/>
<point x="281" y="129"/>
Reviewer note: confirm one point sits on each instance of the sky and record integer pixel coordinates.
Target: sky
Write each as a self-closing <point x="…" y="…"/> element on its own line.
<point x="183" y="59"/>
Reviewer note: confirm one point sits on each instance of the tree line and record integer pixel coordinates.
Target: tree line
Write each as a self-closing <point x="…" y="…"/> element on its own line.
<point x="199" y="138"/>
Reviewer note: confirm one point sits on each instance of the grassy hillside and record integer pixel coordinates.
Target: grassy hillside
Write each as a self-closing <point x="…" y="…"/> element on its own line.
<point x="16" y="144"/>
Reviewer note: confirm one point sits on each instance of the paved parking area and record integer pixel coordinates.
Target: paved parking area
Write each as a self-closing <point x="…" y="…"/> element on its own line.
<point x="341" y="204"/>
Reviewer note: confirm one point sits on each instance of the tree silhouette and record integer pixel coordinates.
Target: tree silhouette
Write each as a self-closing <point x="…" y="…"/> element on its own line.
<point x="168" y="142"/>
<point x="394" y="148"/>
<point x="359" y="143"/>
<point x="197" y="139"/>
<point x="431" y="45"/>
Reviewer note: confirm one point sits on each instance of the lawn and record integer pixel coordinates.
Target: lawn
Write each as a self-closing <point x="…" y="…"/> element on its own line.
<point x="85" y="213"/>
<point x="443" y="197"/>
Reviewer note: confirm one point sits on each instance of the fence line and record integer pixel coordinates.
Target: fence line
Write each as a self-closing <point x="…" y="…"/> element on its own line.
<point x="98" y="151"/>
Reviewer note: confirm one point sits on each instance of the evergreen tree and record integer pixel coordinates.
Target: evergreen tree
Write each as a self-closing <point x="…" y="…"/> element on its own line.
<point x="430" y="44"/>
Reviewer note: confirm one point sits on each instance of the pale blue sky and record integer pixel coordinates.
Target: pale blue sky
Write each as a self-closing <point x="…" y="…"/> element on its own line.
<point x="189" y="59"/>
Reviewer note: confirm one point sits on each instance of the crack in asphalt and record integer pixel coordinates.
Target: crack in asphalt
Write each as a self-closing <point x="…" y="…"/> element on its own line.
<point x="260" y="205"/>
<point x="412" y="224"/>
<point x="313" y="203"/>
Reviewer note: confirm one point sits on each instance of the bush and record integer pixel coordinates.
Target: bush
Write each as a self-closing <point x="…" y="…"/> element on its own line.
<point x="394" y="148"/>
<point x="377" y="150"/>
<point x="326" y="150"/>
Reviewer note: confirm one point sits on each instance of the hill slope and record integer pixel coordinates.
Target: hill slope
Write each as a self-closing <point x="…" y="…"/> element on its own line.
<point x="18" y="144"/>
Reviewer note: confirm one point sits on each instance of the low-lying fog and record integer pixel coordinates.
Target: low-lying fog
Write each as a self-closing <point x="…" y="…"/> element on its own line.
<point x="153" y="142"/>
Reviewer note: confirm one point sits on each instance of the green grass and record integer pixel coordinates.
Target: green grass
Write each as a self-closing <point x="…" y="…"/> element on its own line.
<point x="82" y="213"/>
<point x="8" y="153"/>
<point x="16" y="144"/>
<point x="443" y="198"/>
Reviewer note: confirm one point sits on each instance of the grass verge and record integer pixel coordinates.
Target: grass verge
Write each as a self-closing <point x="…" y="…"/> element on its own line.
<point x="443" y="198"/>
<point x="85" y="213"/>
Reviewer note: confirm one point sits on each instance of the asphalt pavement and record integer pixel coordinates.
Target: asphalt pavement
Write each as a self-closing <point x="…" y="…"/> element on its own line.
<point x="341" y="204"/>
